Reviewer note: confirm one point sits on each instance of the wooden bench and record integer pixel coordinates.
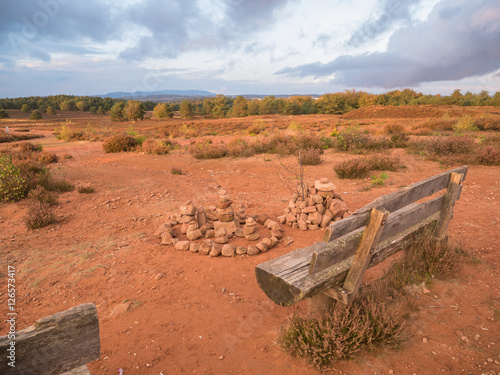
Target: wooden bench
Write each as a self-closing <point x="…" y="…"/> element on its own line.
<point x="333" y="268"/>
<point x="62" y="343"/>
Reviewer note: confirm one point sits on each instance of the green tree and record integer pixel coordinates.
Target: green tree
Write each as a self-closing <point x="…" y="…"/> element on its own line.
<point x="240" y="107"/>
<point x="3" y="113"/>
<point x="93" y="109"/>
<point x="82" y="106"/>
<point x="186" y="109"/>
<point x="253" y="107"/>
<point x="161" y="110"/>
<point x="36" y="115"/>
<point x="101" y="111"/>
<point x="25" y="108"/>
<point x="117" y="112"/>
<point x="134" y="110"/>
<point x="68" y="105"/>
<point x="51" y="111"/>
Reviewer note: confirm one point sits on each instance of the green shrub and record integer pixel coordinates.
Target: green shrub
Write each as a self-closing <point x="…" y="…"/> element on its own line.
<point x="208" y="150"/>
<point x="3" y="113"/>
<point x="67" y="133"/>
<point x="352" y="169"/>
<point x="59" y="185"/>
<point x="257" y="127"/>
<point x="86" y="189"/>
<point x="380" y="180"/>
<point x="13" y="186"/>
<point x="176" y="171"/>
<point x="119" y="143"/>
<point x="39" y="216"/>
<point x="35" y="115"/>
<point x="464" y="125"/>
<point x="350" y="138"/>
<point x="310" y="156"/>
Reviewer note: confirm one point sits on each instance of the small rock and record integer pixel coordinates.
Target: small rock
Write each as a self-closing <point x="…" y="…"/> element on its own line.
<point x="182" y="245"/>
<point x="253" y="236"/>
<point x="194" y="235"/>
<point x="262" y="247"/>
<point x="424" y="340"/>
<point x="425" y="290"/>
<point x="159" y="276"/>
<point x="240" y="250"/>
<point x="221" y="239"/>
<point x="216" y="250"/>
<point x="210" y="233"/>
<point x="120" y="309"/>
<point x="252" y="250"/>
<point x="228" y="250"/>
<point x="194" y="247"/>
<point x="221" y="357"/>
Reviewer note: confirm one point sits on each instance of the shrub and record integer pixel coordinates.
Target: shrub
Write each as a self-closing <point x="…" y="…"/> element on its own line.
<point x="310" y="156"/>
<point x="47" y="157"/>
<point x="380" y="180"/>
<point x="353" y="168"/>
<point x="350" y="138"/>
<point x="67" y="133"/>
<point x="449" y="145"/>
<point x="86" y="189"/>
<point x="39" y="216"/>
<point x="58" y="185"/>
<point x="394" y="129"/>
<point x="67" y="156"/>
<point x="399" y="140"/>
<point x="208" y="150"/>
<point x="119" y="143"/>
<point x="465" y="125"/>
<point x="40" y="194"/>
<point x="3" y="113"/>
<point x="488" y="155"/>
<point x="295" y="126"/>
<point x="238" y="147"/>
<point x="157" y="147"/>
<point x="384" y="163"/>
<point x="176" y="171"/>
<point x="13" y="186"/>
<point x="341" y="333"/>
<point x="35" y="115"/>
<point x="257" y="127"/>
<point x="26" y="147"/>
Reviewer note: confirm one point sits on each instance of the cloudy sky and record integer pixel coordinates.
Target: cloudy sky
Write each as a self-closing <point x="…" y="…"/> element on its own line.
<point x="87" y="47"/>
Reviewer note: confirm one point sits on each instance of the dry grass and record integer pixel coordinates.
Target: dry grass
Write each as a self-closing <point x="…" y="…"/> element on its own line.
<point x="384" y="163"/>
<point x="39" y="216"/>
<point x="208" y="150"/>
<point x="352" y="169"/>
<point x="310" y="156"/>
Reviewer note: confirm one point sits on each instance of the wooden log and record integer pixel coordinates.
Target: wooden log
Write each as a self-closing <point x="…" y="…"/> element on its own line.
<point x="363" y="256"/>
<point x="398" y="221"/>
<point x="392" y="202"/>
<point x="292" y="283"/>
<point x="449" y="200"/>
<point x="56" y="344"/>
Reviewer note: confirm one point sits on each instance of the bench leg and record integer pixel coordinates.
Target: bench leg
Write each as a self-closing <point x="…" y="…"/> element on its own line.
<point x="319" y="304"/>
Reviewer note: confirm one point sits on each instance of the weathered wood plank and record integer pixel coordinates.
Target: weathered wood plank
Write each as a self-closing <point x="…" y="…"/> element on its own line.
<point x="447" y="207"/>
<point x="363" y="256"/>
<point x="283" y="293"/>
<point x="398" y="221"/>
<point x="55" y="344"/>
<point x="392" y="202"/>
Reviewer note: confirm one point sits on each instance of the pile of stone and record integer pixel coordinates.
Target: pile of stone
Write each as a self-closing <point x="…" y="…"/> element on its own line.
<point x="215" y="226"/>
<point x="313" y="207"/>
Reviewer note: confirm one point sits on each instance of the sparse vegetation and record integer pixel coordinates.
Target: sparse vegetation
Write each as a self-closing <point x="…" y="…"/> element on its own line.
<point x="310" y="156"/>
<point x="384" y="163"/>
<point x="40" y="194"/>
<point x="39" y="216"/>
<point x="379" y="180"/>
<point x="209" y="150"/>
<point x="86" y="189"/>
<point x="176" y="171"/>
<point x="352" y="169"/>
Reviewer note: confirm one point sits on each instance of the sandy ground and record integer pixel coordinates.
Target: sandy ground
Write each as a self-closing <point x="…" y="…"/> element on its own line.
<point x="162" y="311"/>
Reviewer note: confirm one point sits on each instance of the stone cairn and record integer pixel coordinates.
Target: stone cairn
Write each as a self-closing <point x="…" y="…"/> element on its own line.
<point x="313" y="207"/>
<point x="215" y="226"/>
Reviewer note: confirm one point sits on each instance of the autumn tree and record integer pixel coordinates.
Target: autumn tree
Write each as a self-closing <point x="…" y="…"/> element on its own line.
<point x="25" y="108"/>
<point x="186" y="109"/>
<point x="240" y="107"/>
<point x="51" y="111"/>
<point x="134" y="110"/>
<point x="36" y="115"/>
<point x="161" y="110"/>
<point x="117" y="112"/>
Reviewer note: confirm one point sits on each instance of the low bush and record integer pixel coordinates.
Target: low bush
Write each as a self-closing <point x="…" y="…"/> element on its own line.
<point x="352" y="169"/>
<point x="157" y="147"/>
<point x="354" y="139"/>
<point x="465" y="124"/>
<point x="13" y="186"/>
<point x="39" y="216"/>
<point x="239" y="147"/>
<point x="40" y="194"/>
<point x="488" y="155"/>
<point x="400" y="140"/>
<point x="394" y="129"/>
<point x="176" y="171"/>
<point x="443" y="146"/>
<point x="310" y="156"/>
<point x="208" y="150"/>
<point x="59" y="185"/>
<point x="86" y="189"/>
<point x="119" y="143"/>
<point x="257" y="127"/>
<point x="384" y="163"/>
<point x="379" y="180"/>
<point x="47" y="157"/>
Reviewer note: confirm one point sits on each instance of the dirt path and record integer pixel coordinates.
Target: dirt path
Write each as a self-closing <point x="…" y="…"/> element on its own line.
<point x="170" y="312"/>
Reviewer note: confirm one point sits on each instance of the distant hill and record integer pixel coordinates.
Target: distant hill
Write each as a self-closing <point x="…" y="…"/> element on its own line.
<point x="159" y="95"/>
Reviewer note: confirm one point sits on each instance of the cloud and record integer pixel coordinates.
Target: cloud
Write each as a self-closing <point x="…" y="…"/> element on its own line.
<point x="459" y="39"/>
<point x="392" y="12"/>
<point x="187" y="26"/>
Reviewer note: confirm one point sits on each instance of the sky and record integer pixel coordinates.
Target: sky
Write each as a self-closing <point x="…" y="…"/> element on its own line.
<point x="231" y="47"/>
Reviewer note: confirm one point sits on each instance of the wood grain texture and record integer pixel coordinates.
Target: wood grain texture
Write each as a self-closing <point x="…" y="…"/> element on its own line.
<point x="449" y="200"/>
<point x="392" y="202"/>
<point x="55" y="344"/>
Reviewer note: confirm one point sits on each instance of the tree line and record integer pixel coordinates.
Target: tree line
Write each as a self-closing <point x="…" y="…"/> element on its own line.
<point x="222" y="106"/>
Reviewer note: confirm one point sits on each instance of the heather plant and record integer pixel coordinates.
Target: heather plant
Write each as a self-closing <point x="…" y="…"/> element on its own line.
<point x="39" y="216"/>
<point x="310" y="156"/>
<point x="352" y="169"/>
<point x="119" y="143"/>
